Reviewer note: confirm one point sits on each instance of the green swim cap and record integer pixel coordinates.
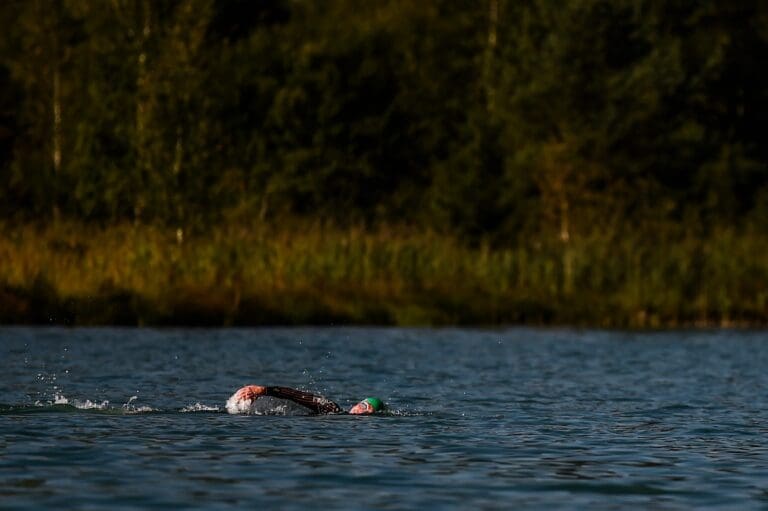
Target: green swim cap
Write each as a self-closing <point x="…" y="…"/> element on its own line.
<point x="375" y="402"/>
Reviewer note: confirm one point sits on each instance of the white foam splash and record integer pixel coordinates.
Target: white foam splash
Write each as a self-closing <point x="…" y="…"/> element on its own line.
<point x="130" y="408"/>
<point x="90" y="405"/>
<point x="265" y="405"/>
<point x="199" y="407"/>
<point x="237" y="406"/>
<point x="140" y="409"/>
<point x="61" y="399"/>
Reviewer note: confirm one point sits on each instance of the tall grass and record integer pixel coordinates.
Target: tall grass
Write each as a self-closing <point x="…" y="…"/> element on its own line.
<point x="311" y="273"/>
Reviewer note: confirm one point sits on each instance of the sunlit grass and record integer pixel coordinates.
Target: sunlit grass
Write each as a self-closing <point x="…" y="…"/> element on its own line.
<point x="312" y="273"/>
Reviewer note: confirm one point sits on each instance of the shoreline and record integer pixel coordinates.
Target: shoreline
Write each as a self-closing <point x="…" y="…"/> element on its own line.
<point x="120" y="312"/>
<point x="128" y="275"/>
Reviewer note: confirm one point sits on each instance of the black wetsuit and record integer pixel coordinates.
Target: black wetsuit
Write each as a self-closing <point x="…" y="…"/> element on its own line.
<point x="317" y="404"/>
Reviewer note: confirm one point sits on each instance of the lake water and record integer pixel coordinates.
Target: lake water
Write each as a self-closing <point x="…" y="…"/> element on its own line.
<point x="478" y="419"/>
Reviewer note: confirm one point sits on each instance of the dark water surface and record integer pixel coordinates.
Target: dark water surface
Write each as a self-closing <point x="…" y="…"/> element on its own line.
<point x="523" y="419"/>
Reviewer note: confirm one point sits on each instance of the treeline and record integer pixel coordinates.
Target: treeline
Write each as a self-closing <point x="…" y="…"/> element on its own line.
<point x="562" y="127"/>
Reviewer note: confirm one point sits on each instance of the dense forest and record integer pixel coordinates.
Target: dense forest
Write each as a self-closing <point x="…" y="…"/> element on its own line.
<point x="438" y="161"/>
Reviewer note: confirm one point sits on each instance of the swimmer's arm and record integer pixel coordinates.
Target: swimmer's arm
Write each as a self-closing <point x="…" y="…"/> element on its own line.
<point x="317" y="404"/>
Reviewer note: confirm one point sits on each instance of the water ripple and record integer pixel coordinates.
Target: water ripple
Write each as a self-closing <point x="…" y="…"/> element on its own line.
<point x="522" y="418"/>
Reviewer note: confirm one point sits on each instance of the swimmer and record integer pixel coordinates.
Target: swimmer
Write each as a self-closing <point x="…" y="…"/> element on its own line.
<point x="242" y="399"/>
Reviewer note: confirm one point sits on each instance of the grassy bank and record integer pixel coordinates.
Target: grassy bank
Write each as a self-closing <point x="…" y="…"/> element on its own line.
<point x="310" y="274"/>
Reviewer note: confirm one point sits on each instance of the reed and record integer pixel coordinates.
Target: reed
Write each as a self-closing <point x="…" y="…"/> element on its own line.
<point x="313" y="273"/>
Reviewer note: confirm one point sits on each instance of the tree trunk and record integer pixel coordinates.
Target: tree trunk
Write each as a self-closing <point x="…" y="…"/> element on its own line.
<point x="142" y="108"/>
<point x="565" y="238"/>
<point x="490" y="51"/>
<point x="55" y="76"/>
<point x="56" y="156"/>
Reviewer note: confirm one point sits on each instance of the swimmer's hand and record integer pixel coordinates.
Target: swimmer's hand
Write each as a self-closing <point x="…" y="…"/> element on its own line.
<point x="250" y="392"/>
<point x="242" y="400"/>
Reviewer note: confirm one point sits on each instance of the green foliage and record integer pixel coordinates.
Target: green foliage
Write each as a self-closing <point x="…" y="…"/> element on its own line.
<point x="557" y="131"/>
<point x="315" y="273"/>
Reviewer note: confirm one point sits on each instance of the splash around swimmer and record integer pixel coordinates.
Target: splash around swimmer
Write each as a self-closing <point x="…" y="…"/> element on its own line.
<point x="242" y="400"/>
